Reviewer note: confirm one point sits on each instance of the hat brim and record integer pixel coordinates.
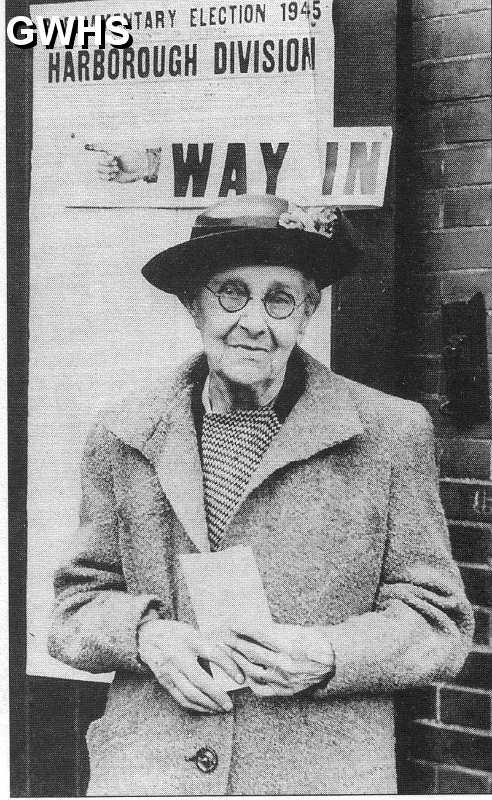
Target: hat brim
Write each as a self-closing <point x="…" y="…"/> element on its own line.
<point x="188" y="265"/>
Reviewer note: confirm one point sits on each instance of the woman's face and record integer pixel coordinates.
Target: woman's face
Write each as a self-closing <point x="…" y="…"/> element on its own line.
<point x="250" y="347"/>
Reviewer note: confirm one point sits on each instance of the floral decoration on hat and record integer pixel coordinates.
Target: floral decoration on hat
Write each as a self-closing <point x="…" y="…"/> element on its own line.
<point x="315" y="221"/>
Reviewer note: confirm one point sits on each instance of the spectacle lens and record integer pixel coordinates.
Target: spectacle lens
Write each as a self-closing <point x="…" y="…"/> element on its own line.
<point x="278" y="304"/>
<point x="233" y="298"/>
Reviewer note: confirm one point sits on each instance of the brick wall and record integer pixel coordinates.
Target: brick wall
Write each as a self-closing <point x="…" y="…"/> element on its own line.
<point x="446" y="740"/>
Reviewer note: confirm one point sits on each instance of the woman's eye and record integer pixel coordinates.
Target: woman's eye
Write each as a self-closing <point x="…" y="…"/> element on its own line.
<point x="280" y="298"/>
<point x="231" y="289"/>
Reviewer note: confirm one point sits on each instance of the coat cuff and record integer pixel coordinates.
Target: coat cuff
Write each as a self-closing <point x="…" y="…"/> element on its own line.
<point x="146" y="607"/>
<point x="102" y="636"/>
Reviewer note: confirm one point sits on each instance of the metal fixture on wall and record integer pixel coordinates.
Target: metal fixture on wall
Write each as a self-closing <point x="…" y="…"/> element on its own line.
<point x="465" y="362"/>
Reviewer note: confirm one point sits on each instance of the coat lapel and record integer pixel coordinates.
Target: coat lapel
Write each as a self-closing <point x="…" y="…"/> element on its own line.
<point x="161" y="426"/>
<point x="325" y="415"/>
<point x="173" y="450"/>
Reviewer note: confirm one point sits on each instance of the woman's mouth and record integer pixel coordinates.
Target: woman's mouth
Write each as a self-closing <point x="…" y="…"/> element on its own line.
<point x="250" y="348"/>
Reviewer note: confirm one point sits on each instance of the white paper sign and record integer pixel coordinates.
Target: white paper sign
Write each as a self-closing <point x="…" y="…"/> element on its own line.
<point x="236" y="99"/>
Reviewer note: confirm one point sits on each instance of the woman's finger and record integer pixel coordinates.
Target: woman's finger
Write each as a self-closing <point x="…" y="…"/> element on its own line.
<point x="271" y="690"/>
<point x="281" y="662"/>
<point x="268" y="637"/>
<point x="194" y="695"/>
<point x="253" y="652"/>
<point x="170" y="676"/>
<point x="206" y="685"/>
<point x="185" y="703"/>
<point x="261" y="674"/>
<point x="218" y="655"/>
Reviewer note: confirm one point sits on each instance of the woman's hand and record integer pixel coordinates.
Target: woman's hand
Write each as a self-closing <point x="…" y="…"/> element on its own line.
<point x="281" y="659"/>
<point x="171" y="650"/>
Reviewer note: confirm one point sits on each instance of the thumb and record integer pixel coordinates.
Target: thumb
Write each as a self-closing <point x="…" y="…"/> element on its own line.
<point x="98" y="148"/>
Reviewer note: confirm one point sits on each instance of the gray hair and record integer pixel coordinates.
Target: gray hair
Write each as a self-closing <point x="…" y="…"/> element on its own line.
<point x="313" y="296"/>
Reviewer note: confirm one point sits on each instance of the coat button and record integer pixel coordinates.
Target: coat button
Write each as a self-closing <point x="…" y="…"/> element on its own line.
<point x="206" y="759"/>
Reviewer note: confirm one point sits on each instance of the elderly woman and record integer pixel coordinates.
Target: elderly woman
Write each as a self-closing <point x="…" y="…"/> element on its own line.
<point x="331" y="484"/>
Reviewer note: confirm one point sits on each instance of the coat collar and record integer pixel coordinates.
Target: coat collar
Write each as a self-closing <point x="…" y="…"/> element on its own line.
<point x="161" y="426"/>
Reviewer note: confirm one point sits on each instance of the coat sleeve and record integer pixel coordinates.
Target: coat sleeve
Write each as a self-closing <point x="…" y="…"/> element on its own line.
<point x="421" y="626"/>
<point x="95" y="619"/>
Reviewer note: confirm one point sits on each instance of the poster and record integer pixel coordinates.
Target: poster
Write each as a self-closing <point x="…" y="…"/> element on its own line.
<point x="226" y="100"/>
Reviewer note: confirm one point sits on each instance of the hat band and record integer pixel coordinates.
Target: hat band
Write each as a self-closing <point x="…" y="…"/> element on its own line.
<point x="225" y="225"/>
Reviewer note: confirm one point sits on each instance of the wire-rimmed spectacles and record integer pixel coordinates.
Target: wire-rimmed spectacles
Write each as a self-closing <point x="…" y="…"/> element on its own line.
<point x="277" y="303"/>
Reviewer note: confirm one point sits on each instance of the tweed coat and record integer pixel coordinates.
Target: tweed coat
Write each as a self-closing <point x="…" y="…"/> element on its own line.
<point x="344" y="518"/>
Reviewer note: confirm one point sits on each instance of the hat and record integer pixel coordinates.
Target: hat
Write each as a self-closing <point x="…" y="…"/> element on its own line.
<point x="258" y="229"/>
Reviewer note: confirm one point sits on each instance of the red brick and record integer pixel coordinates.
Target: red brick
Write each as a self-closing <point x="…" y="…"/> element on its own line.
<point x="467" y="500"/>
<point x="423" y="292"/>
<point x="464" y="458"/>
<point x="462" y="284"/>
<point x="468" y="205"/>
<point x="467" y="708"/>
<point x="417" y="777"/>
<point x="456" y="781"/>
<point x="477" y="672"/>
<point x="448" y="746"/>
<point x="488" y="323"/>
<point x="456" y="165"/>
<point x="465" y="121"/>
<point x="425" y="374"/>
<point x="446" y="37"/>
<point x="478" y="584"/>
<point x="444" y="426"/>
<point x="426" y="333"/>
<point x="471" y="543"/>
<point x="459" y="248"/>
<point x="483" y="626"/>
<point x="468" y="76"/>
<point x="420" y="703"/>
<point x="428" y="209"/>
<point x="437" y="8"/>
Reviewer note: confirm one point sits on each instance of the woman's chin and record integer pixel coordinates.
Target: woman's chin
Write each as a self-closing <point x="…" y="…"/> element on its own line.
<point x="246" y="374"/>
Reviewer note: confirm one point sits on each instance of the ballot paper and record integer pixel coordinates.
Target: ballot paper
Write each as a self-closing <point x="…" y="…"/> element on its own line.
<point x="226" y="589"/>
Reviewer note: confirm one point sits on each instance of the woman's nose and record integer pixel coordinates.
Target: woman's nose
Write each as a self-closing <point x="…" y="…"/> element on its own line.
<point x="253" y="316"/>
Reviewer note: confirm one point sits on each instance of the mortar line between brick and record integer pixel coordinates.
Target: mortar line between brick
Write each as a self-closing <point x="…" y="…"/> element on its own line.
<point x="430" y="723"/>
<point x="450" y="146"/>
<point x="463" y="523"/>
<point x="461" y="13"/>
<point x="467" y="481"/>
<point x="454" y="229"/>
<point x="460" y="100"/>
<point x="425" y="62"/>
<point x="452" y="767"/>
<point x="441" y="189"/>
<point x="466" y="689"/>
<point x="443" y="232"/>
<point x="480" y="271"/>
<point x="480" y="566"/>
<point x="424" y="104"/>
<point x="425" y="188"/>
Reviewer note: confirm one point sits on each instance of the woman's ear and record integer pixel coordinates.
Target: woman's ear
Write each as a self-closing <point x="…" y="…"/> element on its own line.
<point x="304" y="324"/>
<point x="192" y="304"/>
